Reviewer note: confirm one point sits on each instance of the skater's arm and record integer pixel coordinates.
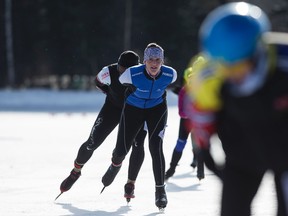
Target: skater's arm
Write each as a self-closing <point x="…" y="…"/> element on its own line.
<point x="103" y="80"/>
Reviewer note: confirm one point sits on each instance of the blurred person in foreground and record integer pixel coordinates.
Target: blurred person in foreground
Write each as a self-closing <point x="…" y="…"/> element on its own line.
<point x="145" y="103"/>
<point x="107" y="80"/>
<point x="240" y="92"/>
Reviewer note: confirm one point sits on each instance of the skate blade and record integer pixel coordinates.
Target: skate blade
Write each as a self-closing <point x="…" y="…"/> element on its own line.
<point x="161" y="209"/>
<point x="128" y="198"/>
<point x="102" y="189"/>
<point x="201" y="179"/>
<point x="58" y="196"/>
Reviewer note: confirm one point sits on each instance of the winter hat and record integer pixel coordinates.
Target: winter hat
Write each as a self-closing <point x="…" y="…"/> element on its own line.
<point x="128" y="59"/>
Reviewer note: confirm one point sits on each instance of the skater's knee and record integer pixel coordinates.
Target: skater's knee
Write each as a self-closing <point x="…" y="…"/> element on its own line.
<point x="180" y="145"/>
<point x="117" y="159"/>
<point x="136" y="146"/>
<point x="91" y="145"/>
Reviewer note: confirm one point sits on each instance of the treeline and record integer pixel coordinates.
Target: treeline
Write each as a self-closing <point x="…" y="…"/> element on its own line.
<point x="63" y="42"/>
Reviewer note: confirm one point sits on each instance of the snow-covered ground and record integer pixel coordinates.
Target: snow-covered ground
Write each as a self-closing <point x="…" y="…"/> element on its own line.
<point x="40" y="133"/>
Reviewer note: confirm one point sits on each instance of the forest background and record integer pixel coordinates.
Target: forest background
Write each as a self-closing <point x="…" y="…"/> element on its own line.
<point x="61" y="44"/>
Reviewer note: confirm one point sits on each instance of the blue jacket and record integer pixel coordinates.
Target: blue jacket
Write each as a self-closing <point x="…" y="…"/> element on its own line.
<point x="148" y="92"/>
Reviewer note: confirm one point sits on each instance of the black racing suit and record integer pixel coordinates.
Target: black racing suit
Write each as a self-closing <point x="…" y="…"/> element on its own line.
<point x="133" y="118"/>
<point x="253" y="130"/>
<point x="107" y="119"/>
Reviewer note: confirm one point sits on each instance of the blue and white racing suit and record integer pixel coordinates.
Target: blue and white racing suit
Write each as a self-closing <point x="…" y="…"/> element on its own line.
<point x="146" y="102"/>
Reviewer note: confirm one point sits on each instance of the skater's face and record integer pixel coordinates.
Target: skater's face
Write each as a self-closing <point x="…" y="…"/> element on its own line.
<point x="153" y="65"/>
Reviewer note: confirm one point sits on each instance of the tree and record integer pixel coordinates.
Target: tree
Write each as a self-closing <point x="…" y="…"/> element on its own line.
<point x="9" y="43"/>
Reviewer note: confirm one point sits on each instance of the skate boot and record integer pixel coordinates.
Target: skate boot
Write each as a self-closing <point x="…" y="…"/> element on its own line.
<point x="129" y="191"/>
<point x="200" y="171"/>
<point x="69" y="181"/>
<point x="169" y="173"/>
<point x="194" y="163"/>
<point x="200" y="174"/>
<point x="174" y="162"/>
<point x="110" y="174"/>
<point x="160" y="197"/>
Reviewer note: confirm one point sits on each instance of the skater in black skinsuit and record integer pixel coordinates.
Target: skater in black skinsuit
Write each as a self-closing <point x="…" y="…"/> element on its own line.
<point x="108" y="118"/>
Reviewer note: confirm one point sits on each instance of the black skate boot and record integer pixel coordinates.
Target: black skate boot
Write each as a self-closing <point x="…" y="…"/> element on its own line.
<point x="129" y="191"/>
<point x="69" y="181"/>
<point x="174" y="162"/>
<point x="110" y="174"/>
<point x="160" y="197"/>
<point x="194" y="163"/>
<point x="72" y="178"/>
<point x="170" y="172"/>
<point x="200" y="174"/>
<point x="200" y="170"/>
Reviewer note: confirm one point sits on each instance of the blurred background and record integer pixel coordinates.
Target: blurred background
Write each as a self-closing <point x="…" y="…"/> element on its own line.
<point x="61" y="44"/>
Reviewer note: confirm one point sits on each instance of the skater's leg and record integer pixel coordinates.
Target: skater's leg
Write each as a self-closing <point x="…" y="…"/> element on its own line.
<point x="281" y="184"/>
<point x="129" y="126"/>
<point x="107" y="119"/>
<point x="239" y="188"/>
<point x="135" y="163"/>
<point x="156" y="123"/>
<point x="176" y="156"/>
<point x="156" y="133"/>
<point x="137" y="155"/>
<point x="210" y="163"/>
<point x="195" y="151"/>
<point x="200" y="167"/>
<point x="179" y="147"/>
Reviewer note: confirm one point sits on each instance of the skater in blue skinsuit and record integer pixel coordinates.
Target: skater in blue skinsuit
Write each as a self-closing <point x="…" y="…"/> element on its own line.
<point x="146" y="102"/>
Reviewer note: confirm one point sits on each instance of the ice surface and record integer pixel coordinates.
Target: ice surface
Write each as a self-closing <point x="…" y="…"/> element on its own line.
<point x="40" y="133"/>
